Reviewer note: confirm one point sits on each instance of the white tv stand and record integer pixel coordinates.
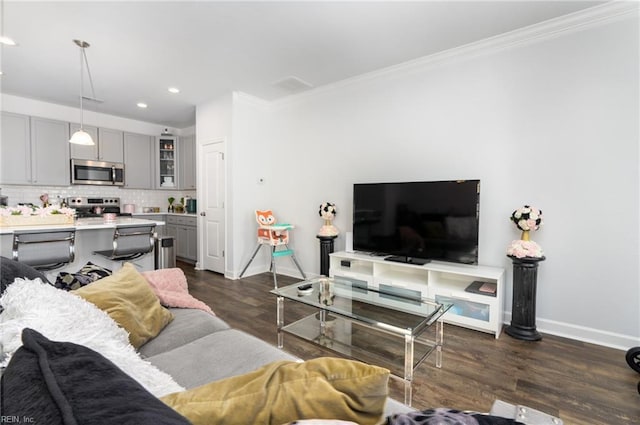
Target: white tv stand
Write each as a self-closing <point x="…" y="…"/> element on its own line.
<point x="436" y="280"/>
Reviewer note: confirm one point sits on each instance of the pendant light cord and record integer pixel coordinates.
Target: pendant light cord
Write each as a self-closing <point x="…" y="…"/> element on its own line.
<point x="81" y="137"/>
<point x="81" y="87"/>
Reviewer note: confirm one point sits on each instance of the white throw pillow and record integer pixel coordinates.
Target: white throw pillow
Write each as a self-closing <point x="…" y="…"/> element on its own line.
<point x="63" y="316"/>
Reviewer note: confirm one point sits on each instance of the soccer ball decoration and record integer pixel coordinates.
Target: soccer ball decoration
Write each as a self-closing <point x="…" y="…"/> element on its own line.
<point x="327" y="212"/>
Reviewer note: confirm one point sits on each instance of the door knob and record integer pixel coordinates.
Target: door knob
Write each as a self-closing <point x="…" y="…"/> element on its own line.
<point x="203" y="213"/>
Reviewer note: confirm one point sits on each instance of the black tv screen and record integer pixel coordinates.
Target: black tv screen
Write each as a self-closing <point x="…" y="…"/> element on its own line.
<point x="416" y="222"/>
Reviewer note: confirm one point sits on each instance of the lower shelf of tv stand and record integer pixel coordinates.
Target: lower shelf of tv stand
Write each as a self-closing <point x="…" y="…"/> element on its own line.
<point x="434" y="280"/>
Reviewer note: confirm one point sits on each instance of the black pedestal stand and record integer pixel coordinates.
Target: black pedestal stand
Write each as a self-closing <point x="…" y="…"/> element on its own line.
<point x="326" y="248"/>
<point x="523" y="307"/>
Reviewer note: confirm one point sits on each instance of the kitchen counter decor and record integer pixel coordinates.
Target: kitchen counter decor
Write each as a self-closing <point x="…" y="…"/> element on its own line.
<point x="35" y="216"/>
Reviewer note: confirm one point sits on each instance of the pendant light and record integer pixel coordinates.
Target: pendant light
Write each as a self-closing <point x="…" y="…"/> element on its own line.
<point x="81" y="137"/>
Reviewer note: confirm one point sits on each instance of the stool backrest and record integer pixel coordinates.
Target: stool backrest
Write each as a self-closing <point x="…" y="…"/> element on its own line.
<point x="44" y="250"/>
<point x="133" y="240"/>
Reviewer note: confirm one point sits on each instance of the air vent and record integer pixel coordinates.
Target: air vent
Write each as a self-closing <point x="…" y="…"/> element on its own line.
<point x="293" y="84"/>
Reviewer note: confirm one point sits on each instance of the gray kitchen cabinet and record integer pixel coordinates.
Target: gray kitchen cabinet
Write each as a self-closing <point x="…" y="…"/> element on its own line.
<point x="187" y="166"/>
<point x="34" y="151"/>
<point x="15" y="149"/>
<point x="181" y="242"/>
<point x="185" y="231"/>
<point x="139" y="159"/>
<point x="172" y="230"/>
<point x="191" y="248"/>
<point x="167" y="162"/>
<point x="50" y="164"/>
<point x="108" y="144"/>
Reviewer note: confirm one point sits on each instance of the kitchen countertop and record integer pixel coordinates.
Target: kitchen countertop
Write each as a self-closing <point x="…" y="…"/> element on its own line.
<point x="81" y="224"/>
<point x="167" y="213"/>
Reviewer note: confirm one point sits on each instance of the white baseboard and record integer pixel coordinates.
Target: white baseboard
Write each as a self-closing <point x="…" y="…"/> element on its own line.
<point x="582" y="333"/>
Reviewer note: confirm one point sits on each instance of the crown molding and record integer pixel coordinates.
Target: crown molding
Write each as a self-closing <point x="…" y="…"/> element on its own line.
<point x="573" y="22"/>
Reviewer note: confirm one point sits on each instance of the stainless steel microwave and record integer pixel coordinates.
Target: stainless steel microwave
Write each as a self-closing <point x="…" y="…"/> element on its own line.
<point x="97" y="172"/>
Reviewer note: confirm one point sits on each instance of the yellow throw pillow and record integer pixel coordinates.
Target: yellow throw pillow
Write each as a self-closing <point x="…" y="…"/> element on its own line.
<point x="128" y="299"/>
<point x="285" y="391"/>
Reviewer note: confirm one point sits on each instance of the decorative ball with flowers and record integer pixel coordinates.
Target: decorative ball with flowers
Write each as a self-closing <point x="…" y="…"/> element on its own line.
<point x="526" y="218"/>
<point x="328" y="211"/>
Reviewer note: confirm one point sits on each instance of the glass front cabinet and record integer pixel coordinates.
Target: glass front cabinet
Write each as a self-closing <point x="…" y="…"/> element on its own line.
<point x="167" y="162"/>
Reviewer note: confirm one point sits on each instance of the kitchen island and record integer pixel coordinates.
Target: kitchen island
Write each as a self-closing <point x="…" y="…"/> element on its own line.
<point x="92" y="234"/>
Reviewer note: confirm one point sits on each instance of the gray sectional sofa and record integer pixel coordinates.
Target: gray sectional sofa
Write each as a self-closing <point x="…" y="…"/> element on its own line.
<point x="197" y="348"/>
<point x="56" y="380"/>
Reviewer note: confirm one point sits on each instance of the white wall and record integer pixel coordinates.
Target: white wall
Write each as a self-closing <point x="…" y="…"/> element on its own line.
<point x="214" y="124"/>
<point x="213" y="119"/>
<point x="552" y="122"/>
<point x="250" y="154"/>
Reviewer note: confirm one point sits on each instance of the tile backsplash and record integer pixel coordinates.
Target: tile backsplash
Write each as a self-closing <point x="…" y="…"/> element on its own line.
<point x="139" y="197"/>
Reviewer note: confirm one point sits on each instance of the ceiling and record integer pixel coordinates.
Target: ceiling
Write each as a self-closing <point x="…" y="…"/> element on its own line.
<point x="207" y="49"/>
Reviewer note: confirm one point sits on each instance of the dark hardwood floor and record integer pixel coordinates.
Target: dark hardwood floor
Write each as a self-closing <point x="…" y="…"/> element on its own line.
<point x="579" y="382"/>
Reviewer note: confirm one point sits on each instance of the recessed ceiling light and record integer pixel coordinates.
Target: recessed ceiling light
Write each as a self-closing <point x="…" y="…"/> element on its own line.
<point x="7" y="41"/>
<point x="142" y="105"/>
<point x="173" y="90"/>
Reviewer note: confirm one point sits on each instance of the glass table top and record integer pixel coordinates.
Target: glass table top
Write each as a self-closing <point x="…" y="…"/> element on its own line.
<point x="382" y="309"/>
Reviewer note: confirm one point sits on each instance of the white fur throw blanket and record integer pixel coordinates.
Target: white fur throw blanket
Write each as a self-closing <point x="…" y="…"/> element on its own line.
<point x="63" y="316"/>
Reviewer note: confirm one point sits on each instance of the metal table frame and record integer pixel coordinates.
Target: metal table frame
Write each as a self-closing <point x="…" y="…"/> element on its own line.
<point x="409" y="335"/>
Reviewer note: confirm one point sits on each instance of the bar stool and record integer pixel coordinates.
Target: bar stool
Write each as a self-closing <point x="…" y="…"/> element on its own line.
<point x="130" y="242"/>
<point x="273" y="235"/>
<point x="44" y="250"/>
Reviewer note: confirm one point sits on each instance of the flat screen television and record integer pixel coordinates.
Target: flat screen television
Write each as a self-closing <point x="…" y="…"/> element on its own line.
<point x="415" y="222"/>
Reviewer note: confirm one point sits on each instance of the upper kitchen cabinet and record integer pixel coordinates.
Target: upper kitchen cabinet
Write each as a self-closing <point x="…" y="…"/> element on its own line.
<point x="108" y="144"/>
<point x="167" y="162"/>
<point x="187" y="148"/>
<point x="49" y="152"/>
<point x="34" y="151"/>
<point x="15" y="149"/>
<point x="111" y="147"/>
<point x="139" y="161"/>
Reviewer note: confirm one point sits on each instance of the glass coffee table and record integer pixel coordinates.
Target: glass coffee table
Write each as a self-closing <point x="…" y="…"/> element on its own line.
<point x="377" y="327"/>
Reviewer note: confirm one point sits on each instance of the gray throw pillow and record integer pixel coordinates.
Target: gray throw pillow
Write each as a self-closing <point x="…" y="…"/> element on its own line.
<point x="11" y="269"/>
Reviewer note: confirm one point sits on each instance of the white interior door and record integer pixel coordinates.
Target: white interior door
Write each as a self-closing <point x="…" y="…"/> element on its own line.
<point x="213" y="189"/>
